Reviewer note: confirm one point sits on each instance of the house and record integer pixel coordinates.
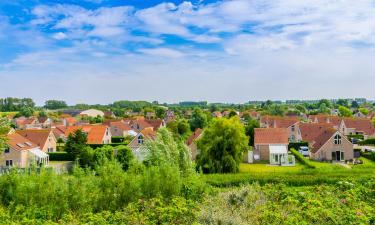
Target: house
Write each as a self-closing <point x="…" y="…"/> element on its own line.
<point x="96" y="134"/>
<point x="322" y="118"/>
<point x="363" y="126"/>
<point x="43" y="138"/>
<point x="217" y="114"/>
<point x="150" y="115"/>
<point x="170" y="116"/>
<point x="144" y="135"/>
<point x="191" y="143"/>
<point x="109" y="114"/>
<point x="139" y="124"/>
<point x="72" y="112"/>
<point x="310" y="131"/>
<point x="92" y="113"/>
<point x="69" y="121"/>
<point x="27" y="123"/>
<point x="21" y="152"/>
<point x="45" y="122"/>
<point x="271" y="144"/>
<point x="359" y="114"/>
<point x="331" y="145"/>
<point x="291" y="124"/>
<point x="59" y="131"/>
<point x="156" y="123"/>
<point x="121" y="129"/>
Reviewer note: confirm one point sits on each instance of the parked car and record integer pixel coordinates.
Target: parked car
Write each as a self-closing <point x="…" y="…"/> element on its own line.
<point x="304" y="150"/>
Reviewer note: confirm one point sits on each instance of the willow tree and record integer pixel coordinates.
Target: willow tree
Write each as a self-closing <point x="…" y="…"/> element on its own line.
<point x="222" y="146"/>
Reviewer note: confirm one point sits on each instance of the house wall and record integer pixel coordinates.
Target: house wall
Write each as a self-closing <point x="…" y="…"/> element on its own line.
<point x="294" y="133"/>
<point x="107" y="137"/>
<point x="263" y="151"/>
<point x="19" y="158"/>
<point x="325" y="152"/>
<point x="50" y="143"/>
<point x="194" y="151"/>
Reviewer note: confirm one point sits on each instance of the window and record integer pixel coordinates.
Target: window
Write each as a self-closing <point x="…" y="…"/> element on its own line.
<point x="7" y="149"/>
<point x="140" y="139"/>
<point x="9" y="162"/>
<point x="337" y="139"/>
<point x="342" y="156"/>
<point x="50" y="149"/>
<point x="293" y="128"/>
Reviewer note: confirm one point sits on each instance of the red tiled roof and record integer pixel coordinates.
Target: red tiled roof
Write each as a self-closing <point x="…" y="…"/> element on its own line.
<point x="194" y="136"/>
<point x="18" y="142"/>
<point x="37" y="136"/>
<point x="279" y="122"/>
<point x="270" y="136"/>
<point x="322" y="138"/>
<point x="362" y="125"/>
<point x="95" y="133"/>
<point x="120" y="125"/>
<point x="310" y="131"/>
<point x="156" y="123"/>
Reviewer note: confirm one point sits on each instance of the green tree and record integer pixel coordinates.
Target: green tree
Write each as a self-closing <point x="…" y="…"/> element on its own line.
<point x="55" y="104"/>
<point x="165" y="150"/>
<point x="183" y="127"/>
<point x="364" y="111"/>
<point x="160" y="112"/>
<point x="222" y="146"/>
<point x="232" y="113"/>
<point x="326" y="102"/>
<point x="251" y="125"/>
<point x="324" y="109"/>
<point x="26" y="111"/>
<point x="4" y="129"/>
<point x="75" y="143"/>
<point x="276" y="110"/>
<point x="198" y="120"/>
<point x="343" y="102"/>
<point x="125" y="156"/>
<point x="355" y="104"/>
<point x="343" y="111"/>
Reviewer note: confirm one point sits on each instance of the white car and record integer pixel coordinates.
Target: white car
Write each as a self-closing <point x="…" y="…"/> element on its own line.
<point x="304" y="150"/>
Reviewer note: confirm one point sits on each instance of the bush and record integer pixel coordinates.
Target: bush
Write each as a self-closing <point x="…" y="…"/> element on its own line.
<point x="370" y="141"/>
<point x="368" y="155"/>
<point x="116" y="139"/>
<point x="302" y="159"/>
<point x="60" y="156"/>
<point x="356" y="136"/>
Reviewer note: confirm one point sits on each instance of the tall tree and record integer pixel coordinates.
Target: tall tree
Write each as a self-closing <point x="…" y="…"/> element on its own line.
<point x="345" y="111"/>
<point x="55" y="104"/>
<point x="251" y="125"/>
<point x="75" y="143"/>
<point x="4" y="129"/>
<point x="198" y="119"/>
<point x="222" y="146"/>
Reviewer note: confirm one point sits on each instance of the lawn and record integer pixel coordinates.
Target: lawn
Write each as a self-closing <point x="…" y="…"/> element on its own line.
<point x="266" y="168"/>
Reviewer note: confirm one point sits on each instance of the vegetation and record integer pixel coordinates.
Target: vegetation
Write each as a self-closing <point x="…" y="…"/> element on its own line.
<point x="222" y="146"/>
<point x="55" y="104"/>
<point x="75" y="143"/>
<point x="345" y="112"/>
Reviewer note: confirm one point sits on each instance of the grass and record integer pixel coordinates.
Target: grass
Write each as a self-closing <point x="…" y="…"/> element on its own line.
<point x="266" y="168"/>
<point x="58" y="162"/>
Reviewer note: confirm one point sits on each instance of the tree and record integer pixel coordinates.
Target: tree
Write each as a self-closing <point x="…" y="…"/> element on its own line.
<point x="125" y="156"/>
<point x="343" y="102"/>
<point x="160" y="112"/>
<point x="42" y="114"/>
<point x="183" y="127"/>
<point x="198" y="120"/>
<point x="364" y="111"/>
<point x="251" y="125"/>
<point x="55" y="104"/>
<point x="355" y="104"/>
<point x="232" y="113"/>
<point x="222" y="146"/>
<point x="75" y="143"/>
<point x="343" y="111"/>
<point x="26" y="111"/>
<point x="324" y="109"/>
<point x="276" y="110"/>
<point x="326" y="102"/>
<point x="165" y="150"/>
<point x="4" y="129"/>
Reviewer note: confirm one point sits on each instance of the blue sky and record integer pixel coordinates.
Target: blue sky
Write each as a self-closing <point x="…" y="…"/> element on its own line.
<point x="98" y="51"/>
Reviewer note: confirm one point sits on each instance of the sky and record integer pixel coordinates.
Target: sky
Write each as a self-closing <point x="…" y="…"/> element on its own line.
<point x="100" y="51"/>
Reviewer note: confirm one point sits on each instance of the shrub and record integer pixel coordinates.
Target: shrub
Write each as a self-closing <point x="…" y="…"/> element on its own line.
<point x="302" y="159"/>
<point x="370" y="141"/>
<point x="296" y="145"/>
<point x="60" y="156"/>
<point x="368" y="155"/>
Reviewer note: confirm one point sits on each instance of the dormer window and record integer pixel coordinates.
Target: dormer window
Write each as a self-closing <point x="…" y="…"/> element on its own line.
<point x="337" y="139"/>
<point x="140" y="139"/>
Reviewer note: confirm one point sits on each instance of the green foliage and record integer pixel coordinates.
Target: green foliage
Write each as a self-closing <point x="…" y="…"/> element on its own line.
<point x="160" y="112"/>
<point x="368" y="155"/>
<point x="344" y="111"/>
<point x="15" y="104"/>
<point x="251" y="125"/>
<point x="181" y="128"/>
<point x="60" y="156"/>
<point x="302" y="159"/>
<point x="55" y="104"/>
<point x="4" y="129"/>
<point x="364" y="111"/>
<point x="370" y="141"/>
<point x="26" y="111"/>
<point x="166" y="150"/>
<point x="343" y="102"/>
<point x="75" y="143"/>
<point x="222" y="145"/>
<point x="198" y="120"/>
<point x="125" y="156"/>
<point x="276" y="110"/>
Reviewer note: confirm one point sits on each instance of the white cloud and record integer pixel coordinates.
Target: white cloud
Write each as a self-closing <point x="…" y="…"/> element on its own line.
<point x="162" y="52"/>
<point x="59" y="36"/>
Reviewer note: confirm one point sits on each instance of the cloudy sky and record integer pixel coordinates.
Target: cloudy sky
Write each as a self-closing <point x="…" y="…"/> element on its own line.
<point x="98" y="51"/>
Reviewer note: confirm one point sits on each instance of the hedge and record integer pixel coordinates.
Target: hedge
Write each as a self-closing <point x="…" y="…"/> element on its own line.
<point x="356" y="136"/>
<point x="117" y="139"/>
<point x="302" y="159"/>
<point x="60" y="156"/>
<point x="368" y="155"/>
<point x="296" y="145"/>
<point x="94" y="146"/>
<point x="370" y="141"/>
